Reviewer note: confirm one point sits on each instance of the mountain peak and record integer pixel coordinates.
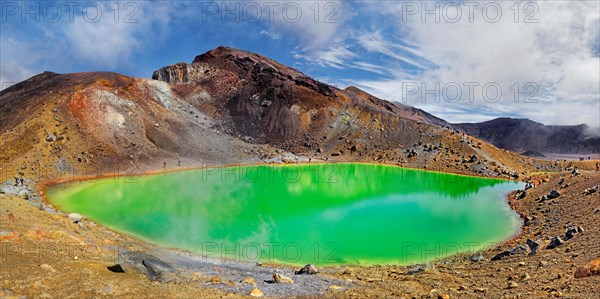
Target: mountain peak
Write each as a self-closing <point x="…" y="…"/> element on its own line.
<point x="234" y="62"/>
<point x="222" y="51"/>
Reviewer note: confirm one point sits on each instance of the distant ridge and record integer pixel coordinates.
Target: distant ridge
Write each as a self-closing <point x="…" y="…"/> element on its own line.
<point x="524" y="135"/>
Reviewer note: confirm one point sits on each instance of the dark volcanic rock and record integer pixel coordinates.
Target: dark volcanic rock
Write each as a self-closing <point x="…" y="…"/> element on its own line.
<point x="116" y="268"/>
<point x="154" y="268"/>
<point x="556" y="241"/>
<point x="157" y="269"/>
<point x="553" y="194"/>
<point x="533" y="245"/>
<point x="571" y="231"/>
<point x="532" y="138"/>
<point x="522" y="249"/>
<point x="308" y="269"/>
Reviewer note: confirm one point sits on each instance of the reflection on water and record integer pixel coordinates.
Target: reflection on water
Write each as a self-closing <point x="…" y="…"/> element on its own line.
<point x="320" y="213"/>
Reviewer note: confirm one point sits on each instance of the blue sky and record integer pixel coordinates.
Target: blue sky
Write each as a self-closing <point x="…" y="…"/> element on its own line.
<point x="481" y="60"/>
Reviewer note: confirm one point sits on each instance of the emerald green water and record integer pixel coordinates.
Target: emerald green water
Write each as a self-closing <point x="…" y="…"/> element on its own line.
<point x="320" y="213"/>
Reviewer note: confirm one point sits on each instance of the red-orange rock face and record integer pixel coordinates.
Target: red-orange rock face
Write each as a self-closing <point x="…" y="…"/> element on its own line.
<point x="592" y="268"/>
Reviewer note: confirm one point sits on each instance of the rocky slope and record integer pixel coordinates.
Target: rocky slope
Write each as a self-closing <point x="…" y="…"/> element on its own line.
<point x="398" y="108"/>
<point x="227" y="106"/>
<point x="523" y="135"/>
<point x="262" y="101"/>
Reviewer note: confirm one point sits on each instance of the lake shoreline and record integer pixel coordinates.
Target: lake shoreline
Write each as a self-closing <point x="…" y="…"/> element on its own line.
<point x="352" y="280"/>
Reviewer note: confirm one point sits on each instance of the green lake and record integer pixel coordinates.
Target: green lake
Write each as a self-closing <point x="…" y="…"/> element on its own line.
<point x="343" y="213"/>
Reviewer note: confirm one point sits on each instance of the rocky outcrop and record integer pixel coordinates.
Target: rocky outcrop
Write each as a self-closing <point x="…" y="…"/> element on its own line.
<point x="151" y="266"/>
<point x="308" y="269"/>
<point x="591" y="269"/>
<point x="279" y="278"/>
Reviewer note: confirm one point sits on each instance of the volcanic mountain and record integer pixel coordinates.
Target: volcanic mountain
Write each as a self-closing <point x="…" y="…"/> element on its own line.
<point x="227" y="106"/>
<point x="524" y="135"/>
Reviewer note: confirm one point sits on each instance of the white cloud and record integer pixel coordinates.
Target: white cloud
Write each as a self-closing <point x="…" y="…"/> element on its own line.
<point x="335" y="56"/>
<point x="315" y="23"/>
<point x="15" y="74"/>
<point x="107" y="43"/>
<point x="321" y="28"/>
<point x="17" y="58"/>
<point x="270" y="34"/>
<point x="375" y="42"/>
<point x="558" y="53"/>
<point x="111" y="41"/>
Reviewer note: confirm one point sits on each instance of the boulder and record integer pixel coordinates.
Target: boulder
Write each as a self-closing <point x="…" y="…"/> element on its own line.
<point x="308" y="269"/>
<point x="23" y="194"/>
<point x="51" y="137"/>
<point x="533" y="245"/>
<point x="592" y="268"/>
<point x="570" y="232"/>
<point x="117" y="268"/>
<point x="478" y="257"/>
<point x="256" y="292"/>
<point x="278" y="278"/>
<point x="149" y="265"/>
<point x="75" y="217"/>
<point x="157" y="269"/>
<point x="553" y="194"/>
<point x="416" y="269"/>
<point x="500" y="255"/>
<point x="591" y="190"/>
<point x="556" y="241"/>
<point x="522" y="249"/>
